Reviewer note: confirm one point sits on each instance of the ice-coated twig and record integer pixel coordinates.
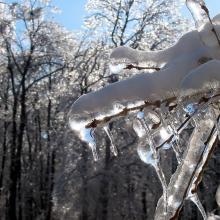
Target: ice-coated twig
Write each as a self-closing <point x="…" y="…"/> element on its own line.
<point x="199" y="12"/>
<point x="189" y="172"/>
<point x="201" y="16"/>
<point x="203" y="104"/>
<point x="125" y="111"/>
<point x="210" y="144"/>
<point x="156" y="158"/>
<point x="175" y="137"/>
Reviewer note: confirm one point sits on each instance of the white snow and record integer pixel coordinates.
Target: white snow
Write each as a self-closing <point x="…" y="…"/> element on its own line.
<point x="182" y="70"/>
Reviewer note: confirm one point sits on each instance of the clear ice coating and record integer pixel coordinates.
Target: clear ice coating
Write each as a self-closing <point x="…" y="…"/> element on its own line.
<point x="138" y="128"/>
<point x="144" y="148"/>
<point x="89" y="138"/>
<point x="198" y="11"/>
<point x="140" y="115"/>
<point x="187" y="172"/>
<point x="148" y="153"/>
<point x="113" y="148"/>
<point x="191" y="108"/>
<point x="152" y="119"/>
<point x="145" y="153"/>
<point x="165" y="133"/>
<point x="86" y="135"/>
<point x="195" y="199"/>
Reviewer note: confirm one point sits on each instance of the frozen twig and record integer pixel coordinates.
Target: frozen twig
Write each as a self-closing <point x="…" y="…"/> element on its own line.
<point x="189" y="172"/>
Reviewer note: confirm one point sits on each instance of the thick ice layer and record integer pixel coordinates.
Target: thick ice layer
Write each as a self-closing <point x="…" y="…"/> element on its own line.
<point x="182" y="180"/>
<point x="198" y="11"/>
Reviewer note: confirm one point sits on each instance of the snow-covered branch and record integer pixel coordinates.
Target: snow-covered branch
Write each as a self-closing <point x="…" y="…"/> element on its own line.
<point x="176" y="88"/>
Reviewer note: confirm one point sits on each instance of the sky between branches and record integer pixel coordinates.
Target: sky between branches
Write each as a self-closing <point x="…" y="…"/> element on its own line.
<point x="73" y="11"/>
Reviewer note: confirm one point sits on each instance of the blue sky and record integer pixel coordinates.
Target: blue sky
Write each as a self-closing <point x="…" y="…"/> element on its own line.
<point x="73" y="11"/>
<point x="72" y="14"/>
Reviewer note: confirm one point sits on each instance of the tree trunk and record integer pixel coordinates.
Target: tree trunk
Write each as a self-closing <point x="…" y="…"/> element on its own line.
<point x="11" y="211"/>
<point x="104" y="185"/>
<point x="84" y="202"/>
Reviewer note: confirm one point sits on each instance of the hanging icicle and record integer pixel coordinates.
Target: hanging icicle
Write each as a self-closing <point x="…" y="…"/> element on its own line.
<point x="113" y="147"/>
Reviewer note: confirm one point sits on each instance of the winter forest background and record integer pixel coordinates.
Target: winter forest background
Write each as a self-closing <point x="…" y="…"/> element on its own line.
<point x="46" y="172"/>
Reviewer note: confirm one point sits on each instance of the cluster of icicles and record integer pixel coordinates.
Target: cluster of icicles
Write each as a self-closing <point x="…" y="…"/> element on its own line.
<point x="153" y="127"/>
<point x="159" y="127"/>
<point x="183" y="93"/>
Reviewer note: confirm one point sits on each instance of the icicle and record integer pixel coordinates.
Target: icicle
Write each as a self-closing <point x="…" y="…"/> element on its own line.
<point x="113" y="148"/>
<point x="192" y="195"/>
<point x="86" y="135"/>
<point x="143" y="148"/>
<point x="152" y="156"/>
<point x="175" y="144"/>
<point x="195" y="199"/>
<point x="171" y="121"/>
<point x="171" y="129"/>
<point x="138" y="128"/>
<point x="188" y="172"/>
<point x="150" y="139"/>
<point x="176" y="150"/>
<point x="217" y="196"/>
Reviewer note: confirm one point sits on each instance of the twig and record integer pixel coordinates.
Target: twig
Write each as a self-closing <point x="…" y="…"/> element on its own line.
<point x="131" y="66"/>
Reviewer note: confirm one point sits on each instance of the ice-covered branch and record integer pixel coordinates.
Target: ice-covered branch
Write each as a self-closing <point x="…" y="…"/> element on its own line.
<point x="177" y="61"/>
<point x="183" y="90"/>
<point x="185" y="180"/>
<point x="201" y="16"/>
